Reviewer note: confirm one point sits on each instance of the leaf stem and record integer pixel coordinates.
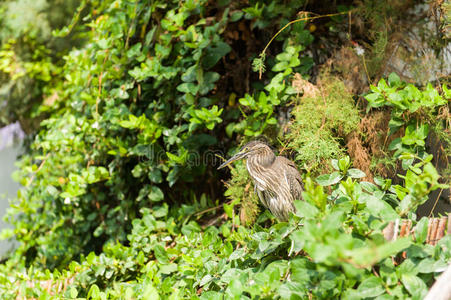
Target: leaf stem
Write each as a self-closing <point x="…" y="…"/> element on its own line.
<point x="299" y="20"/>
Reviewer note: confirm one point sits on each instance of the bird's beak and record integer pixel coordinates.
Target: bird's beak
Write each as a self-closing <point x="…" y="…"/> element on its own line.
<point x="237" y="156"/>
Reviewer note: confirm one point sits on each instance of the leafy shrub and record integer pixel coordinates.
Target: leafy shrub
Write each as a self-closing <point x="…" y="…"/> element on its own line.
<point x="414" y="112"/>
<point x="333" y="247"/>
<point x="321" y="124"/>
<point x="114" y="207"/>
<point x="406" y="98"/>
<point x="31" y="58"/>
<point x="139" y="99"/>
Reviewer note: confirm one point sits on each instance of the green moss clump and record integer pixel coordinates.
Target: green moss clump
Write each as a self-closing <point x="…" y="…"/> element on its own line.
<point x="321" y="123"/>
<point x="240" y="190"/>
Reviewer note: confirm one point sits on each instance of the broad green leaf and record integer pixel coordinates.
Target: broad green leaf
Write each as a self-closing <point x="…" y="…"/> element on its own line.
<point x="379" y="207"/>
<point x="305" y="210"/>
<point x="371" y="287"/>
<point x="329" y="179"/>
<point x="160" y="211"/>
<point x="214" y="54"/>
<point x="156" y="194"/>
<point x="73" y="292"/>
<point x="429" y="265"/>
<point x="421" y="230"/>
<point x="150" y="292"/>
<point x="231" y="274"/>
<point x="355" y="173"/>
<point x="298" y="239"/>
<point x="168" y="269"/>
<point x="414" y="285"/>
<point x="369" y="255"/>
<point x="334" y="163"/>
<point x="235" y="288"/>
<point x="394" y="80"/>
<point x="237" y="254"/>
<point x="206" y="279"/>
<point x="188" y="87"/>
<point x="292" y="290"/>
<point x="161" y="254"/>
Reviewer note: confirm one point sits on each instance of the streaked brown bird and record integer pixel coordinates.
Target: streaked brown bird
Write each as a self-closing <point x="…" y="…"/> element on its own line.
<point x="276" y="179"/>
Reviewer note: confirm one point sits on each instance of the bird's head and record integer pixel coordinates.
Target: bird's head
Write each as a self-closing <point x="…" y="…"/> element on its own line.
<point x="251" y="148"/>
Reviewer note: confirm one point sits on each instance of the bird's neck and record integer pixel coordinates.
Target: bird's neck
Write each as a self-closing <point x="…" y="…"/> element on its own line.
<point x="264" y="161"/>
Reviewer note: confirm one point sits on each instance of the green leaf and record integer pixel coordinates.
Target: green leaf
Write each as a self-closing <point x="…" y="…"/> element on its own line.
<point x="188" y="87"/>
<point x="368" y="186"/>
<point x="235" y="288"/>
<point x="211" y="77"/>
<point x="236" y="16"/>
<point x="334" y="163"/>
<point x="281" y="66"/>
<point x="272" y="121"/>
<point x="372" y="98"/>
<point x="291" y="290"/>
<point x="190" y="227"/>
<point x="355" y="173"/>
<point x="393" y="248"/>
<point x="189" y="75"/>
<point x="394" y="80"/>
<point x="371" y="287"/>
<point x="156" y="194"/>
<point x="305" y="210"/>
<point x="370" y="255"/>
<point x="94" y="292"/>
<point x="302" y="269"/>
<point x="421" y="230"/>
<point x="214" y="54"/>
<point x="231" y="274"/>
<point x="429" y="265"/>
<point x="206" y="279"/>
<point x="414" y="285"/>
<point x="161" y="254"/>
<point x="155" y="176"/>
<point x="379" y="207"/>
<point x="298" y="238"/>
<point x="344" y="163"/>
<point x="211" y="295"/>
<point x="168" y="269"/>
<point x="237" y="254"/>
<point x="150" y="292"/>
<point x="329" y="179"/>
<point x="73" y="292"/>
<point x="128" y="293"/>
<point x="160" y="211"/>
<point x="394" y="124"/>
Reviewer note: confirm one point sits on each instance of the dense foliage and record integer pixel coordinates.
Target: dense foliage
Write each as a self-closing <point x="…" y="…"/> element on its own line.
<point x="137" y="103"/>
<point x="31" y="58"/>
<point x="414" y="113"/>
<point x="129" y="108"/>
<point x="333" y="247"/>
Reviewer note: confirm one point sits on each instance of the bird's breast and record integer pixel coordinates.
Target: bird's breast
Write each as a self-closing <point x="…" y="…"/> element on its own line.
<point x="258" y="181"/>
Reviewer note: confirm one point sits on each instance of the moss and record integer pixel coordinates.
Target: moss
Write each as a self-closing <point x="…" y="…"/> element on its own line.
<point x="321" y="124"/>
<point x="240" y="190"/>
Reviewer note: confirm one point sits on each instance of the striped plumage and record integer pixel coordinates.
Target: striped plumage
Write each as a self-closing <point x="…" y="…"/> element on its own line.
<point x="276" y="180"/>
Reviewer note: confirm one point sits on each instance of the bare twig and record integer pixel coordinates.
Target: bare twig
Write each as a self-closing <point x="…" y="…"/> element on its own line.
<point x="300" y="20"/>
<point x="435" y="203"/>
<point x="211" y="209"/>
<point x="39" y="168"/>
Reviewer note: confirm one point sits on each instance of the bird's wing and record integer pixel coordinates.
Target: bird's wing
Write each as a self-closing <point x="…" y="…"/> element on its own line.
<point x="293" y="177"/>
<point x="261" y="196"/>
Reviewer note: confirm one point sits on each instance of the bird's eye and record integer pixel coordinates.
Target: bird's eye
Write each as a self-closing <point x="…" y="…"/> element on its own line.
<point x="246" y="149"/>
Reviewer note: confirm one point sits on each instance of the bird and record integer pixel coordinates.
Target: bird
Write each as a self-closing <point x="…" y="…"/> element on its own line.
<point x="276" y="179"/>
